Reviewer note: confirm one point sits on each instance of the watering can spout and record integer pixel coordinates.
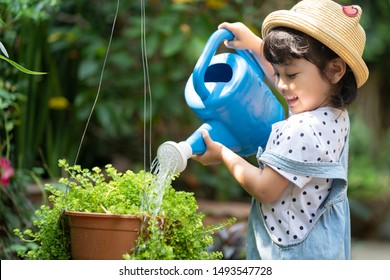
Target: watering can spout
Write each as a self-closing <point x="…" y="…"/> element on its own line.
<point x="174" y="155"/>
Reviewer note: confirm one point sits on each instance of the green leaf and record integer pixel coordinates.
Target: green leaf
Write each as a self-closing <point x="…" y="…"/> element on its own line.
<point x="21" y="68"/>
<point x="173" y="45"/>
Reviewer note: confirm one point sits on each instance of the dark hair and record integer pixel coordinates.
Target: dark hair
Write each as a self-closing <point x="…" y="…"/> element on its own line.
<point x="283" y="44"/>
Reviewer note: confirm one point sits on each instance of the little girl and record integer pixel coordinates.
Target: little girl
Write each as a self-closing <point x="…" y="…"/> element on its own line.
<point x="313" y="55"/>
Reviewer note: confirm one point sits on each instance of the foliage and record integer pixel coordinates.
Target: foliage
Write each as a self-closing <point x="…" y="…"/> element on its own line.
<point x="183" y="235"/>
<point x="15" y="208"/>
<point x="24" y="30"/>
<point x="19" y="67"/>
<point x="15" y="211"/>
<point x="369" y="174"/>
<point x="28" y="9"/>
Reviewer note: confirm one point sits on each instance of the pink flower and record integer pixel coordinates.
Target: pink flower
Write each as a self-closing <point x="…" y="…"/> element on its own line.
<point x="6" y="171"/>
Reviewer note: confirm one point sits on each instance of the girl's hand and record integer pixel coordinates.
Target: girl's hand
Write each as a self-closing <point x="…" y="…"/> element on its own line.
<point x="213" y="152"/>
<point x="244" y="38"/>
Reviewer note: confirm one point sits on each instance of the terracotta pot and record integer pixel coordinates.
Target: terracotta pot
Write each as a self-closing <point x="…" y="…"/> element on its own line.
<point x="99" y="236"/>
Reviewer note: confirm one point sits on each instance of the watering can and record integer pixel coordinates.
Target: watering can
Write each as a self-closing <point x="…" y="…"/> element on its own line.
<point x="228" y="93"/>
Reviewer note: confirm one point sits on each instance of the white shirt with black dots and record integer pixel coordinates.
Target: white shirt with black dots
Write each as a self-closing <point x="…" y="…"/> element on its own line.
<point x="315" y="136"/>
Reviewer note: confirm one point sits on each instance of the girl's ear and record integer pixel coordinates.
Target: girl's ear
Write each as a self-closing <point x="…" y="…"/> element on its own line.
<point x="336" y="70"/>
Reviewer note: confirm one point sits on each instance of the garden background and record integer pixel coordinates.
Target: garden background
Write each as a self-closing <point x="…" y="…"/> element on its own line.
<point x="42" y="118"/>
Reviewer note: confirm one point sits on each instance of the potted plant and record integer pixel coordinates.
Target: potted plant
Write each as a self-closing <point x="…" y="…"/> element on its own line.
<point x="168" y="223"/>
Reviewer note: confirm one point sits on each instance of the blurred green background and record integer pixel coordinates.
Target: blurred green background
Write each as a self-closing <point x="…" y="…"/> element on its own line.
<point x="42" y="118"/>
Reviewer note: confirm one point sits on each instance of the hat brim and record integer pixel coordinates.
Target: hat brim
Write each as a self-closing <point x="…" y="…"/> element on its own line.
<point x="323" y="34"/>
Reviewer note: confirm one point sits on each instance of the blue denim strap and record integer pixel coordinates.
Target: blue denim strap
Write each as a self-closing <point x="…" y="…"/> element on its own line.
<point x="334" y="170"/>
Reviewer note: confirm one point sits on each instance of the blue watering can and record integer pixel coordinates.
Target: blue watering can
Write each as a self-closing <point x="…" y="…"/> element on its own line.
<point x="228" y="93"/>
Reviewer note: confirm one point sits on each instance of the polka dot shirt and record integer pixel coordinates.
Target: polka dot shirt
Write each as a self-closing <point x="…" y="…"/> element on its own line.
<point x="315" y="136"/>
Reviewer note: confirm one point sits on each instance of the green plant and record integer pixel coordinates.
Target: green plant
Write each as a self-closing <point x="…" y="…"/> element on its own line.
<point x="182" y="235"/>
<point x="15" y="208"/>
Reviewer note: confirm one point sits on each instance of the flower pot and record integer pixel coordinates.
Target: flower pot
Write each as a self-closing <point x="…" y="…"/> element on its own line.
<point x="100" y="236"/>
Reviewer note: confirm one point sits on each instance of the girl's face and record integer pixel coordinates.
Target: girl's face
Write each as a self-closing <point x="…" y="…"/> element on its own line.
<point x="301" y="84"/>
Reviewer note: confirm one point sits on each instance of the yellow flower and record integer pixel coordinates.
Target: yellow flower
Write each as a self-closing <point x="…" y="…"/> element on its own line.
<point x="185" y="28"/>
<point x="58" y="103"/>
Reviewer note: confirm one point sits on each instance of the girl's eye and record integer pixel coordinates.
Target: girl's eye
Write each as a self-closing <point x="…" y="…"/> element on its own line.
<point x="276" y="74"/>
<point x="291" y="76"/>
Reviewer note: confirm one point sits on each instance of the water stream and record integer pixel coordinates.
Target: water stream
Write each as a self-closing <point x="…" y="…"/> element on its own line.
<point x="162" y="179"/>
<point x="153" y="198"/>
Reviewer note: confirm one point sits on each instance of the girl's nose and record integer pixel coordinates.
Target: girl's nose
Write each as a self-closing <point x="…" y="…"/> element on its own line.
<point x="281" y="85"/>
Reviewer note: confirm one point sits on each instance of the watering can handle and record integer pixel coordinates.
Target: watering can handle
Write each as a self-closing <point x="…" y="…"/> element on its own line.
<point x="208" y="52"/>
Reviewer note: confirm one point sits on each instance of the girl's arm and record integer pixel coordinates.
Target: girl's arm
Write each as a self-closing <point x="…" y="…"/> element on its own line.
<point x="245" y="39"/>
<point x="265" y="185"/>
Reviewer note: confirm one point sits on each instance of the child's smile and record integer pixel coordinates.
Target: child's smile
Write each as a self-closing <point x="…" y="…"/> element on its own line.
<point x="291" y="100"/>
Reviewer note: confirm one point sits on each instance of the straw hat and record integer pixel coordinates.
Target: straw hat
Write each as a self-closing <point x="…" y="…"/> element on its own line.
<point x="334" y="25"/>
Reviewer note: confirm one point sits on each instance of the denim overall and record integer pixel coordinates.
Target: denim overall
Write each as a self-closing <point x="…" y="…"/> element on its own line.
<point x="329" y="237"/>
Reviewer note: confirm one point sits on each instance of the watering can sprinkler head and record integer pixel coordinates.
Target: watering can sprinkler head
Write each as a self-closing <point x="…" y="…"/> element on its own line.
<point x="174" y="155"/>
